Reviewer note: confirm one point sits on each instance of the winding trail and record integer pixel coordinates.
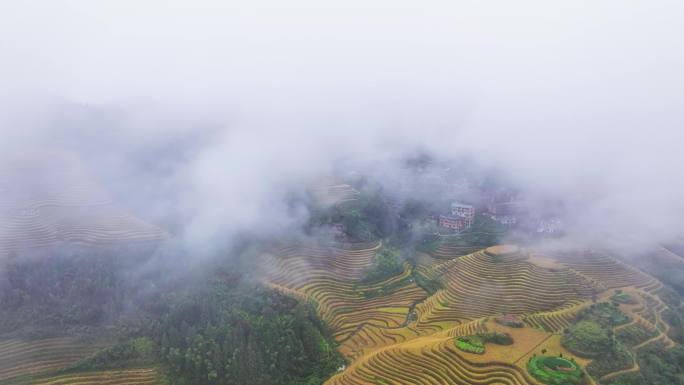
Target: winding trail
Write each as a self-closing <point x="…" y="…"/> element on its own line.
<point x="637" y="318"/>
<point x="634" y="368"/>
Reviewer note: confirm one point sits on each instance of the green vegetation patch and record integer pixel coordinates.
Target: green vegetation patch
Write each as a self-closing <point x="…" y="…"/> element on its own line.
<point x="366" y="218"/>
<point x="658" y="365"/>
<point x="470" y="344"/>
<point x="621" y="297"/>
<point x="476" y="343"/>
<point x="223" y="336"/>
<point x="386" y="264"/>
<point x="430" y="285"/>
<point x="135" y="352"/>
<point x="588" y="339"/>
<point x="606" y="314"/>
<point x="592" y="335"/>
<point x="555" y="370"/>
<point x="497" y="338"/>
<point x="483" y="232"/>
<point x="429" y="244"/>
<point x="633" y="335"/>
<point x="617" y="359"/>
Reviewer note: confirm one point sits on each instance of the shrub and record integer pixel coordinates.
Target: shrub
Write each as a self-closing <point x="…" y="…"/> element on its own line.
<point x="620" y="297"/>
<point x="470" y="344"/>
<point x="497" y="338"/>
<point x="476" y="343"/>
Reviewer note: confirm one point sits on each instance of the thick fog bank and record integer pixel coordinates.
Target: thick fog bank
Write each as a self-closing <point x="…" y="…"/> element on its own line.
<point x="213" y="119"/>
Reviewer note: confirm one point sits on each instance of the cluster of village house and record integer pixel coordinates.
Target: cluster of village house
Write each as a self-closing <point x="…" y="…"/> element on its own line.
<point x="461" y="216"/>
<point x="502" y="205"/>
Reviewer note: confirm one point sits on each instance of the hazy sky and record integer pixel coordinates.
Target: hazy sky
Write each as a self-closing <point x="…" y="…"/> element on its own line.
<point x="582" y="99"/>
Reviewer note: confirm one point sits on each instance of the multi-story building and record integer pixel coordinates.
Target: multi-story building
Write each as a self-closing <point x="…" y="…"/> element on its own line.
<point x="464" y="211"/>
<point x="460" y="217"/>
<point x="454" y="223"/>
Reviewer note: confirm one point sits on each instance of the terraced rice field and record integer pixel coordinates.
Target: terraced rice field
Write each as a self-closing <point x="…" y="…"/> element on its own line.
<point x="330" y="192"/>
<point x="111" y="377"/>
<point x="555" y="321"/>
<point x="434" y="359"/>
<point x="478" y="285"/>
<point x="330" y="277"/>
<point x="608" y="272"/>
<point x="38" y="362"/>
<point x="51" y="198"/>
<point x="405" y="335"/>
<point x="447" y="250"/>
<point x="26" y="359"/>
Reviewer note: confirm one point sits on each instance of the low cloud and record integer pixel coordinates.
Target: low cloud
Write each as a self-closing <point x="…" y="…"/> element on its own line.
<point x="204" y="117"/>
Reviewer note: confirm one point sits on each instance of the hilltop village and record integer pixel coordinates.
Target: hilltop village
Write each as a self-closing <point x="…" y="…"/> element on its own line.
<point x="447" y="203"/>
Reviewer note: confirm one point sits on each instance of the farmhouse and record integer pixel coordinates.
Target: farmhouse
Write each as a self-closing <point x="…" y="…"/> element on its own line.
<point x="510" y="320"/>
<point x="460" y="218"/>
<point x="454" y="223"/>
<point x="459" y="209"/>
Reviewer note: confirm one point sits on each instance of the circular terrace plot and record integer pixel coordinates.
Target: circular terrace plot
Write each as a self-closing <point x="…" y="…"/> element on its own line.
<point x="502" y="250"/>
<point x="504" y="253"/>
<point x="555" y="370"/>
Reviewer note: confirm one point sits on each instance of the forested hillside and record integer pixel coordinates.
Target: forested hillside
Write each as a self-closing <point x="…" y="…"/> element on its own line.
<point x="205" y="326"/>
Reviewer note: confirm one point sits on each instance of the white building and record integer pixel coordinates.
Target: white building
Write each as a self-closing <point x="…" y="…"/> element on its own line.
<point x="506" y="220"/>
<point x="549" y="226"/>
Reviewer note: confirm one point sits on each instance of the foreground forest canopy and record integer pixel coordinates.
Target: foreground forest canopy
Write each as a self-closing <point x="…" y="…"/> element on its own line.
<point x="374" y="291"/>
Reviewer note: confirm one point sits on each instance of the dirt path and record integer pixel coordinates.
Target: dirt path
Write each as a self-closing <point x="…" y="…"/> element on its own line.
<point x="648" y="341"/>
<point x="634" y="368"/>
<point x="662" y="335"/>
<point x="635" y="318"/>
<point x="529" y="351"/>
<point x="658" y="321"/>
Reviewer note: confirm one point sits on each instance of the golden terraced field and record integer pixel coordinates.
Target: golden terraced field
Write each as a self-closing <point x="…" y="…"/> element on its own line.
<point x="386" y="345"/>
<point x="39" y="361"/>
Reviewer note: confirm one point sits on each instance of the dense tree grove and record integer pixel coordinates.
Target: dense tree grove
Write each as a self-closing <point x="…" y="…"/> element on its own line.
<point x="223" y="335"/>
<point x="386" y="263"/>
<point x="657" y="366"/>
<point x="593" y="337"/>
<point x="69" y="288"/>
<point x="223" y="332"/>
<point x="365" y="219"/>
